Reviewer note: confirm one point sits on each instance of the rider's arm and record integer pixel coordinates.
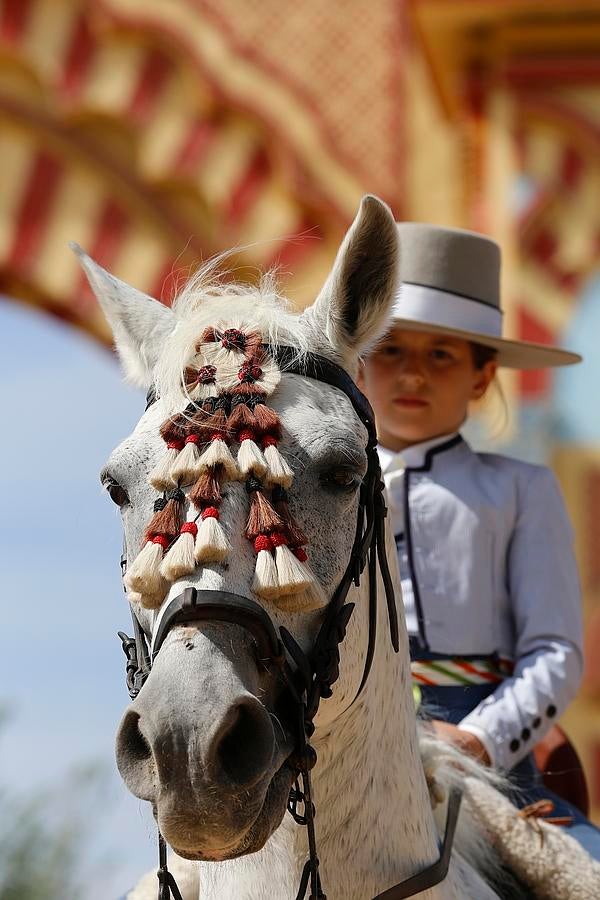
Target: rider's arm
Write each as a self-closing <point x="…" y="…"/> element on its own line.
<point x="543" y="584"/>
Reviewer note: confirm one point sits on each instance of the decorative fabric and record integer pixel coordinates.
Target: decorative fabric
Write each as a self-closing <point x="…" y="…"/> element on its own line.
<point x="228" y="432"/>
<point x="457" y="671"/>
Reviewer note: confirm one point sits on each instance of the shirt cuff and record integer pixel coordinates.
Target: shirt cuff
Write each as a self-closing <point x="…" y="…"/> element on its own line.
<point x="483" y="736"/>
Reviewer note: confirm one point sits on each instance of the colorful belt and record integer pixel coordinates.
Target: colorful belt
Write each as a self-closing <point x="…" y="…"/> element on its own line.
<point x="455" y="671"/>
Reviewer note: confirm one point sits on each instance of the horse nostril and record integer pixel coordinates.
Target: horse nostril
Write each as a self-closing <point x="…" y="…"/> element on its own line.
<point x="135" y="760"/>
<point x="131" y="740"/>
<point x="243" y="747"/>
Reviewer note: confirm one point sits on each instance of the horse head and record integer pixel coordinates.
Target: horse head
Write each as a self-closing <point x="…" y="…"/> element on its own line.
<point x="242" y="478"/>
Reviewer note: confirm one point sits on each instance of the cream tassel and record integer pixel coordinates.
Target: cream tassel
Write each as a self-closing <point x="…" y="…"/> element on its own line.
<point x="311" y="598"/>
<point x="161" y="477"/>
<point x="211" y="544"/>
<point x="148" y="601"/>
<point x="278" y="471"/>
<point x="180" y="559"/>
<point x="218" y="454"/>
<point x="265" y="583"/>
<point x="143" y="575"/>
<point x="250" y="459"/>
<point x="186" y="467"/>
<point x="293" y="576"/>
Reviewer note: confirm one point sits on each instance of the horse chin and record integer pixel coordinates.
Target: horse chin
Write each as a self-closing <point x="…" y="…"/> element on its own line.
<point x="258" y="833"/>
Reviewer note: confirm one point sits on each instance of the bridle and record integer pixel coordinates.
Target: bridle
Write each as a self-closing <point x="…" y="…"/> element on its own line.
<point x="309" y="677"/>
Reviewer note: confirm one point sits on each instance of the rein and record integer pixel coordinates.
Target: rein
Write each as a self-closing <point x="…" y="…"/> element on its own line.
<point x="310" y="676"/>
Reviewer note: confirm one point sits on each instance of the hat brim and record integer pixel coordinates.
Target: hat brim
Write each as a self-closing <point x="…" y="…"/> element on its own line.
<point x="511" y="354"/>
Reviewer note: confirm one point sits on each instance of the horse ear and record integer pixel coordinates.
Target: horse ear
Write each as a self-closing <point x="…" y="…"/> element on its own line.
<point x="354" y="305"/>
<point x="140" y="325"/>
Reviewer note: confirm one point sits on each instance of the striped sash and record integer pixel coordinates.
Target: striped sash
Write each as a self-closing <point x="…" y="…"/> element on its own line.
<point x="454" y="671"/>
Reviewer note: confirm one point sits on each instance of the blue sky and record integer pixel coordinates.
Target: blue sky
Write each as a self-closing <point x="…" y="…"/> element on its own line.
<point x="64" y="407"/>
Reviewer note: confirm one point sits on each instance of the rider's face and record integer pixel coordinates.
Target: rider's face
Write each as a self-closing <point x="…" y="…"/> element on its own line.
<point x="420" y="385"/>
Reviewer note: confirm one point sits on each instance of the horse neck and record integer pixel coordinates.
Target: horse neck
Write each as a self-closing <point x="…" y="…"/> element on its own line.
<point x="374" y="821"/>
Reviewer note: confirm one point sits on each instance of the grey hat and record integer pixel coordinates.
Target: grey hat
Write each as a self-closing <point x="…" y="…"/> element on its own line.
<point x="450" y="284"/>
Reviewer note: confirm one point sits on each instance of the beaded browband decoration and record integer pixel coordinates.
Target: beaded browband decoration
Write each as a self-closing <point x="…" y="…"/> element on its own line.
<point x="228" y="382"/>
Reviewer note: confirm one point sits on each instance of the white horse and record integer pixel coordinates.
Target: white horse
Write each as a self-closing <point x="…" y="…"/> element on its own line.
<point x="204" y="741"/>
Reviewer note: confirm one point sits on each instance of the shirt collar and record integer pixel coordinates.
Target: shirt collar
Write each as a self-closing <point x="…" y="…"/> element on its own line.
<point x="412" y="457"/>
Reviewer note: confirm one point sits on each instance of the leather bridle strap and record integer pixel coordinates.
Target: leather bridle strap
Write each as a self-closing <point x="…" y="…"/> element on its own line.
<point x="192" y="606"/>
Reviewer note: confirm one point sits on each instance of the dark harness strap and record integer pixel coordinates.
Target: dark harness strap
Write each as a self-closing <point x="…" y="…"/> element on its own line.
<point x="435" y="873"/>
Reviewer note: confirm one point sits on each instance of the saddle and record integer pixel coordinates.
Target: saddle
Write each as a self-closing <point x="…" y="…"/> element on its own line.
<point x="561" y="769"/>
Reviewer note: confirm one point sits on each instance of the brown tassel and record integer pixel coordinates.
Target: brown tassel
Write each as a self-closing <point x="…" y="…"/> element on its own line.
<point x="241" y="417"/>
<point x="205" y="424"/>
<point x="176" y="428"/>
<point x="245" y="389"/>
<point x="262" y="518"/>
<point x="254" y="351"/>
<point x="190" y="377"/>
<point x="209" y="336"/>
<point x="267" y="421"/>
<point x="291" y="529"/>
<point x="197" y="419"/>
<point x="207" y="488"/>
<point x="168" y="516"/>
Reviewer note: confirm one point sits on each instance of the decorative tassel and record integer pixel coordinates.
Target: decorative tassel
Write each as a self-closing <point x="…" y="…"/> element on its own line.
<point x="262" y="518"/>
<point x="218" y="454"/>
<point x="208" y="421"/>
<point x="278" y="471"/>
<point x="161" y="478"/>
<point x="143" y="575"/>
<point x="211" y="544"/>
<point x="207" y="489"/>
<point x="168" y="516"/>
<point x="186" y="467"/>
<point x="311" y="598"/>
<point x="250" y="458"/>
<point x="291" y="529"/>
<point x="175" y="428"/>
<point x="223" y="349"/>
<point x="267" y="420"/>
<point x="201" y="383"/>
<point x="265" y="583"/>
<point x="292" y="575"/>
<point x="179" y="559"/>
<point x="241" y="416"/>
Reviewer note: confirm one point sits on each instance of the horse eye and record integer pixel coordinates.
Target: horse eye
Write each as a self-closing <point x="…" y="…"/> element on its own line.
<point x="116" y="492"/>
<point x="341" y="479"/>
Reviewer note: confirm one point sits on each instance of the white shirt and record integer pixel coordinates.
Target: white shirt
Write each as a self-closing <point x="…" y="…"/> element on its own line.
<point x="487" y="566"/>
<point x="392" y="468"/>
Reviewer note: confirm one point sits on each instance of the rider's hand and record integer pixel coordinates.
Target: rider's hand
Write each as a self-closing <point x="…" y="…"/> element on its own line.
<point x="466" y="741"/>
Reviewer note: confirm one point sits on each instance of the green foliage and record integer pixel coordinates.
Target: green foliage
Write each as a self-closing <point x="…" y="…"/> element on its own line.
<point x="43" y="837"/>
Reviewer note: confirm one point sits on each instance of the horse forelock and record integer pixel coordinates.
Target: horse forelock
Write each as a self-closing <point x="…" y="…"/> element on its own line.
<point x="210" y="300"/>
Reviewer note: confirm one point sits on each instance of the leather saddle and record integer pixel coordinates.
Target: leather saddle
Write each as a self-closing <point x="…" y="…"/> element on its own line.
<point x="561" y="769"/>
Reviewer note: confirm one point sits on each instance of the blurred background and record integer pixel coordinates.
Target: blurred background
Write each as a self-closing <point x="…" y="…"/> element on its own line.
<point x="158" y="132"/>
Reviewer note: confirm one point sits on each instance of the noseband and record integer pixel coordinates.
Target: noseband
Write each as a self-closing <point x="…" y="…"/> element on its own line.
<point x="309" y="676"/>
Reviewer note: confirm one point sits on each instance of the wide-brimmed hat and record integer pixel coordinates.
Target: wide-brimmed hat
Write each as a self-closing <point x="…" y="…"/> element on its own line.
<point x="450" y="284"/>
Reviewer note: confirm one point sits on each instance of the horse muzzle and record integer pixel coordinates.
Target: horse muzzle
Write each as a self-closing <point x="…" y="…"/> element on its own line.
<point x="201" y="747"/>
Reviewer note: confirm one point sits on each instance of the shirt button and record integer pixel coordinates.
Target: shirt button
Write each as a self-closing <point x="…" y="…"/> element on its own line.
<point x="551" y="711"/>
<point x="526" y="734"/>
<point x="536" y="722"/>
<point x="514" y="745"/>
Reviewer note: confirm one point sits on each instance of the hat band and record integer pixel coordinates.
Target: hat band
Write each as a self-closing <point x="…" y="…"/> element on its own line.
<point x="431" y="306"/>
